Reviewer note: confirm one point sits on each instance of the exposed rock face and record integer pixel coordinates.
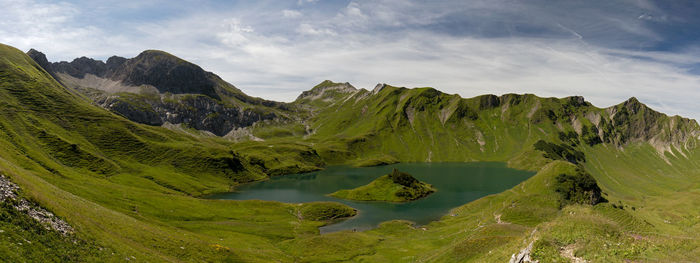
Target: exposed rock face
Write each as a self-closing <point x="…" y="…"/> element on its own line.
<point x="159" y="69"/>
<point x="114" y="62"/>
<point x="523" y="256"/>
<point x="326" y="93"/>
<point x="379" y="87"/>
<point x="8" y="190"/>
<point x="633" y="121"/>
<point x="489" y="101"/>
<point x="144" y="114"/>
<point x="167" y="73"/>
<point x="81" y="66"/>
<point x="324" y="89"/>
<point x="197" y="111"/>
<point x="185" y="93"/>
<point x="46" y="218"/>
<point x="8" y="193"/>
<point x="40" y="59"/>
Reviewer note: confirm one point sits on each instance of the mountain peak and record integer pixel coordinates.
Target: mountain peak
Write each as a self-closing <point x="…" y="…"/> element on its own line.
<point x="325" y="89"/>
<point x="39" y="58"/>
<point x="378" y="88"/>
<point x="153" y="53"/>
<point x="328" y="84"/>
<point x="35" y="53"/>
<point x="165" y="72"/>
<point x="115" y="61"/>
<point x="633" y="105"/>
<point x="577" y="101"/>
<point x="631" y="101"/>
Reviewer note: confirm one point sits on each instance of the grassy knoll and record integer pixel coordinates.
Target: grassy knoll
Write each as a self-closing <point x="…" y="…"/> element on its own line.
<point x="395" y="187"/>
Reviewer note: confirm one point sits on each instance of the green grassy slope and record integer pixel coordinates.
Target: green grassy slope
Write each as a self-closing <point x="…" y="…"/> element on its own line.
<point x="132" y="189"/>
<point x="493" y="228"/>
<point x="391" y="124"/>
<point x="646" y="163"/>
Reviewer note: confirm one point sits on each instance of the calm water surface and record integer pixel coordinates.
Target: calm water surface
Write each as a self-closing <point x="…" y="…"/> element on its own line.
<point x="456" y="183"/>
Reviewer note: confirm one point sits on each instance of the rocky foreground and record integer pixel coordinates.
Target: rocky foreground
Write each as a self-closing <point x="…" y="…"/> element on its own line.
<point x="9" y="193"/>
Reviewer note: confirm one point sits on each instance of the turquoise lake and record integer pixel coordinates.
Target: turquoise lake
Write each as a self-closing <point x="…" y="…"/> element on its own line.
<point x="456" y="184"/>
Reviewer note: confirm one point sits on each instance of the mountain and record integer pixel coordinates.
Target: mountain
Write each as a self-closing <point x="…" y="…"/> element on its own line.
<point x="156" y="87"/>
<point x="423" y="124"/>
<point x="612" y="184"/>
<point x="109" y="178"/>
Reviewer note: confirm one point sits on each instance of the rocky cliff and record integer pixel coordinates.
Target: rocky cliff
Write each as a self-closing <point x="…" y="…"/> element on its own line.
<point x="197" y="111"/>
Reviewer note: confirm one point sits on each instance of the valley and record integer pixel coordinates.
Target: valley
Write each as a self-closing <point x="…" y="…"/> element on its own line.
<point x="137" y="156"/>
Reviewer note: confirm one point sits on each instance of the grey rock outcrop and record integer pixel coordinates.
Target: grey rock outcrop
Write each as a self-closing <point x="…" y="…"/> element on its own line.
<point x="9" y="193"/>
<point x="8" y="190"/>
<point x="40" y="59"/>
<point x="81" y="66"/>
<point x="196" y="111"/>
<point x="325" y="90"/>
<point x="523" y="256"/>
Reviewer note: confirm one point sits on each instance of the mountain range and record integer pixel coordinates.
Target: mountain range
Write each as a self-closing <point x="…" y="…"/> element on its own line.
<point x="124" y="151"/>
<point x="156" y="88"/>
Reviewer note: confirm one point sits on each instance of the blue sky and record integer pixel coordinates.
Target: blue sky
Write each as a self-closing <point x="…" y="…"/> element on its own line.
<point x="606" y="51"/>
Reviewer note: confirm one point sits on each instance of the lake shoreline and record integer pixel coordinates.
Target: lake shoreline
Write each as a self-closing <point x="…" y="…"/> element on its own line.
<point x="459" y="184"/>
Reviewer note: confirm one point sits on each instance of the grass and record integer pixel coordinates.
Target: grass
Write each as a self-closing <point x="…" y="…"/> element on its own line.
<point x="133" y="189"/>
<point x="325" y="211"/>
<point x="143" y="205"/>
<point x="376" y="161"/>
<point x="22" y="239"/>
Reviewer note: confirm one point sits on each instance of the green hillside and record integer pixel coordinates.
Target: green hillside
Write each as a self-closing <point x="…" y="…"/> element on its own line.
<point x="130" y="187"/>
<point x="612" y="185"/>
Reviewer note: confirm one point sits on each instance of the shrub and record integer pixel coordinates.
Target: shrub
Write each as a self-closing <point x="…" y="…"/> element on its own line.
<point x="402" y="178"/>
<point x="570" y="137"/>
<point x="590" y="135"/>
<point x="560" y="152"/>
<point x="580" y="188"/>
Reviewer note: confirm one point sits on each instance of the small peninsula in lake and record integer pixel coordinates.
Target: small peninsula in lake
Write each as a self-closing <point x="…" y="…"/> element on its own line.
<point x="394" y="187"/>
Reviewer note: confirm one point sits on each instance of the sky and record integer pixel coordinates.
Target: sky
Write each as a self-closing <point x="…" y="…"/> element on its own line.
<point x="606" y="51"/>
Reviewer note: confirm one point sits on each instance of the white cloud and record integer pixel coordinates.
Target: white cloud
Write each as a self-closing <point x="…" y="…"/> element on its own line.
<point x="301" y="2"/>
<point x="291" y="13"/>
<point x="308" y="29"/>
<point x="39" y="25"/>
<point x="353" y="9"/>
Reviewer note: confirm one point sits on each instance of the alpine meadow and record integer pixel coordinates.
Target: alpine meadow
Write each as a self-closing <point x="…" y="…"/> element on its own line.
<point x="152" y="158"/>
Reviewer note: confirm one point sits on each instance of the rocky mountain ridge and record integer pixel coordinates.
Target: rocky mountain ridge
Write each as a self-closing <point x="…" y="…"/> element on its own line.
<point x="482" y="122"/>
<point x="156" y="87"/>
